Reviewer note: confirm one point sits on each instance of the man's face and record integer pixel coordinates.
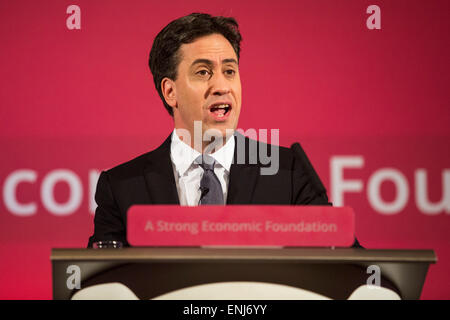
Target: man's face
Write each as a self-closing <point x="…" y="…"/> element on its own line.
<point x="208" y="86"/>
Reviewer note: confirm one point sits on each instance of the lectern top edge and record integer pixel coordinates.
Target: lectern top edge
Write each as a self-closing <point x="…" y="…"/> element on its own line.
<point x="287" y="254"/>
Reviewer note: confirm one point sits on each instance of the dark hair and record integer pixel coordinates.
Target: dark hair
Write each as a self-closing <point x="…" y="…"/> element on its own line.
<point x="164" y="57"/>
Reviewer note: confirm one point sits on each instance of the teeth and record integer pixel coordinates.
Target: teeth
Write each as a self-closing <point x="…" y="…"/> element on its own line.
<point x="220" y="110"/>
<point x="222" y="106"/>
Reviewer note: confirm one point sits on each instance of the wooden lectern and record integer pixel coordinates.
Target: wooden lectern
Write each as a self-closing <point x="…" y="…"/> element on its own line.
<point x="150" y="272"/>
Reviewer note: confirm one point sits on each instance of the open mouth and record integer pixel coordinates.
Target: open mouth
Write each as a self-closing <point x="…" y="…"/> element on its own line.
<point x="220" y="110"/>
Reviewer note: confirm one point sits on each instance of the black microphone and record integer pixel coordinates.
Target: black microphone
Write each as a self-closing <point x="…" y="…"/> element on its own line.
<point x="306" y="164"/>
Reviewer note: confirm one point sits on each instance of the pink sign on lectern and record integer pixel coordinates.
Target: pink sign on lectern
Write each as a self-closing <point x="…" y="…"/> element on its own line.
<point x="240" y="225"/>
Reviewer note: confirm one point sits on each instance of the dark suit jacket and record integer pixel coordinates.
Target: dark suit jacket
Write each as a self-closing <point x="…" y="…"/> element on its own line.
<point x="149" y="179"/>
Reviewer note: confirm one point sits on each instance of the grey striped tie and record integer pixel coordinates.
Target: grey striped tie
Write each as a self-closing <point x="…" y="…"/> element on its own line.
<point x="209" y="184"/>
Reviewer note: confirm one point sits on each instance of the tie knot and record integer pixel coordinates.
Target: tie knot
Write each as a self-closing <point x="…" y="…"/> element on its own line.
<point x="205" y="161"/>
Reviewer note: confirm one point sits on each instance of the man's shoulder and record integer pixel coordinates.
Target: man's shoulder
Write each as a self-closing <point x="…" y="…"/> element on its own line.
<point x="130" y="166"/>
<point x="263" y="151"/>
<point x="136" y="165"/>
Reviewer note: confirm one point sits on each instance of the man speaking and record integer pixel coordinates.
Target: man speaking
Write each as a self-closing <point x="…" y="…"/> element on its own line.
<point x="195" y="65"/>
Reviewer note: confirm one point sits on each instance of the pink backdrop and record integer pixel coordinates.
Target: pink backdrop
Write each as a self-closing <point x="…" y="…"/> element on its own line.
<point x="74" y="102"/>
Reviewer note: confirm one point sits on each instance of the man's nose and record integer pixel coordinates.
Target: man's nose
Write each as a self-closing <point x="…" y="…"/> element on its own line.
<point x="220" y="85"/>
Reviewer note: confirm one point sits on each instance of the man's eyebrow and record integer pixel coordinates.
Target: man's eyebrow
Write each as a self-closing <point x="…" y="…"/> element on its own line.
<point x="229" y="61"/>
<point x="210" y="63"/>
<point x="204" y="61"/>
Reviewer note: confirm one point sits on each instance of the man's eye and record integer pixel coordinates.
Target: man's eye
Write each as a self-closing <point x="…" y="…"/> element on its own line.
<point x="203" y="72"/>
<point x="230" y="72"/>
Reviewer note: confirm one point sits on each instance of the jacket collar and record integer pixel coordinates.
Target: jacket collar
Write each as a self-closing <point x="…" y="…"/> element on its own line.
<point x="243" y="174"/>
<point x="159" y="176"/>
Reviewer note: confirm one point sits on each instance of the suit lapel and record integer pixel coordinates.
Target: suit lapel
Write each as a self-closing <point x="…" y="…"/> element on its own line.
<point x="243" y="176"/>
<point x="159" y="176"/>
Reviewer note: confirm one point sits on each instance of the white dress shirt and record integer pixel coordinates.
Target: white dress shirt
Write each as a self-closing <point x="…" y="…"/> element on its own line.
<point x="188" y="174"/>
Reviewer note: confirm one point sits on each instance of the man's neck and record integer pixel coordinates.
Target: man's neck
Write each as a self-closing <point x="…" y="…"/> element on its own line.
<point x="208" y="146"/>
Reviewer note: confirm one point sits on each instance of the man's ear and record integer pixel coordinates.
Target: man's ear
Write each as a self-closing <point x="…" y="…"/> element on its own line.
<point x="169" y="92"/>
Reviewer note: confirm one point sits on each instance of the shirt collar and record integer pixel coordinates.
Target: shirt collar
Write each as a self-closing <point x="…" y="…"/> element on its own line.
<point x="183" y="155"/>
<point x="224" y="156"/>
